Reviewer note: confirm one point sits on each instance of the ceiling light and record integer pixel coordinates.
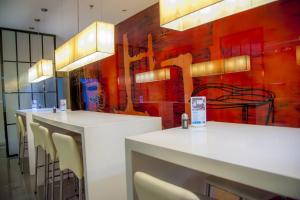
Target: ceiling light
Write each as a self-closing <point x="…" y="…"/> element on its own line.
<point x="237" y="64"/>
<point x="209" y="68"/>
<point x="42" y="70"/>
<point x="185" y="14"/>
<point x="152" y="76"/>
<point x="221" y="66"/>
<point x="44" y="9"/>
<point x="94" y="43"/>
<point x="37" y="19"/>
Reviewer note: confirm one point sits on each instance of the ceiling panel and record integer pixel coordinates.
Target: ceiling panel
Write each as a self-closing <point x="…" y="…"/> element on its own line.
<point x="61" y="18"/>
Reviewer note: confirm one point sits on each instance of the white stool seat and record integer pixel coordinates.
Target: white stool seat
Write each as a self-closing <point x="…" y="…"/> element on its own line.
<point x="149" y="188"/>
<point x="38" y="141"/>
<point x="50" y="153"/>
<point x="70" y="158"/>
<point x="22" y="137"/>
<point x="21" y="126"/>
<point x="48" y="143"/>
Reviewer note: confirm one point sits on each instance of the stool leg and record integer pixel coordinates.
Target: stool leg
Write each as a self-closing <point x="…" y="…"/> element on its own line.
<point x="208" y="189"/>
<point x="52" y="186"/>
<point x="19" y="160"/>
<point x="23" y="155"/>
<point x="46" y="175"/>
<point x="61" y="186"/>
<point x="36" y="167"/>
<point x="80" y="188"/>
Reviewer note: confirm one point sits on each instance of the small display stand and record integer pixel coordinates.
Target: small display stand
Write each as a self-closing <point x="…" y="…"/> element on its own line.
<point x="63" y="105"/>
<point x="198" y="111"/>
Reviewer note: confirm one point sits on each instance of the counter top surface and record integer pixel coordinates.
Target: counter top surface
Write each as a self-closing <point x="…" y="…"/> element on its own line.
<point x="265" y="148"/>
<point x="87" y="118"/>
<point x="34" y="110"/>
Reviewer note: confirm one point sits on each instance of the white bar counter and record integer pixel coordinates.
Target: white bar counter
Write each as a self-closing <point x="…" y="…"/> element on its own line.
<point x="103" y="146"/>
<point x="27" y="114"/>
<point x="264" y="157"/>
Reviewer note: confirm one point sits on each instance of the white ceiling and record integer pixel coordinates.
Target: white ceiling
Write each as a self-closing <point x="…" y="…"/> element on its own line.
<point x="61" y="18"/>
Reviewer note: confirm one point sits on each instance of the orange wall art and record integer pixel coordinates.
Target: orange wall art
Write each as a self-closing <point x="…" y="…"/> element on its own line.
<point x="247" y="65"/>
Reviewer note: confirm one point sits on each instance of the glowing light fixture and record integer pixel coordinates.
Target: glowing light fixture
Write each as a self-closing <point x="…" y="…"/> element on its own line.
<point x="208" y="68"/>
<point x="185" y="14"/>
<point x="237" y="64"/>
<point x="152" y="76"/>
<point x="42" y="70"/>
<point x="221" y="66"/>
<point x="298" y="55"/>
<point x="94" y="43"/>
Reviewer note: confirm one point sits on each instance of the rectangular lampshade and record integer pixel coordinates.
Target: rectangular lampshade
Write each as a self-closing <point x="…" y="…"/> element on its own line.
<point x="42" y="70"/>
<point x="237" y="64"/>
<point x="221" y="66"/>
<point x="94" y="43"/>
<point x="181" y="15"/>
<point x="152" y="76"/>
<point x="208" y="68"/>
<point x="298" y="55"/>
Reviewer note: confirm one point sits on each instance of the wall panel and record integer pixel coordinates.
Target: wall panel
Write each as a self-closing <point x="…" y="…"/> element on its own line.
<point x="23" y="47"/>
<point x="266" y="91"/>
<point x="9" y="45"/>
<point x="20" y="50"/>
<point x="36" y="47"/>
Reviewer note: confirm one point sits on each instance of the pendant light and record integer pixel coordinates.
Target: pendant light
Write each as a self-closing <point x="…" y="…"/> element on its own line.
<point x="153" y="76"/>
<point x="181" y="15"/>
<point x="95" y="42"/>
<point x="42" y="70"/>
<point x="221" y="66"/>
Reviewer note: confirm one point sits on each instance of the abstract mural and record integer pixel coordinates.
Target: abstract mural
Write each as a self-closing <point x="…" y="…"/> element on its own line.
<point x="247" y="65"/>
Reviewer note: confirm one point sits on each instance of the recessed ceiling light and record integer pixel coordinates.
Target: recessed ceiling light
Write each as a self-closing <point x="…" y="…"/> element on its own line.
<point x="31" y="28"/>
<point x="37" y="20"/>
<point x="44" y="9"/>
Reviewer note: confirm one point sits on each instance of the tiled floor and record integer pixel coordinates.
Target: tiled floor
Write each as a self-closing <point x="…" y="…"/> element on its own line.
<point x="12" y="184"/>
<point x="15" y="186"/>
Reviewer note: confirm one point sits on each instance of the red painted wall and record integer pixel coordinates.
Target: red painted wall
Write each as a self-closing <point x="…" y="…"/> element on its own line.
<point x="269" y="34"/>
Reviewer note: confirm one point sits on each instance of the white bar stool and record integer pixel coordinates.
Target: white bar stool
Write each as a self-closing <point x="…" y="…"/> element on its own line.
<point x="50" y="158"/>
<point x="38" y="143"/>
<point x="22" y="143"/>
<point x="69" y="158"/>
<point x="149" y="188"/>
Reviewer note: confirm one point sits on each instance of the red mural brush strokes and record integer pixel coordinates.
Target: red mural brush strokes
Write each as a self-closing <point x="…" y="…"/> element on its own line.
<point x="268" y="34"/>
